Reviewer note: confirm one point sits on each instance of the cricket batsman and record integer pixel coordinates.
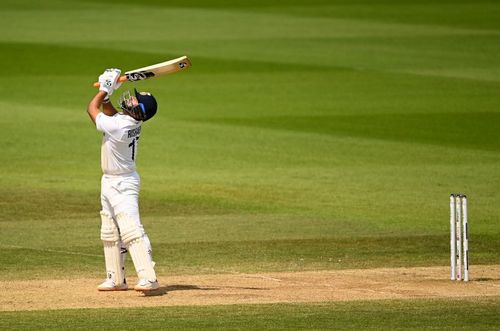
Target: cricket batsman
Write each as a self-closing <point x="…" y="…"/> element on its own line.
<point x="121" y="229"/>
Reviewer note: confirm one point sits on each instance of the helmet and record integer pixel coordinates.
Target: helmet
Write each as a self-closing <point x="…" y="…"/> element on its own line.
<point x="144" y="110"/>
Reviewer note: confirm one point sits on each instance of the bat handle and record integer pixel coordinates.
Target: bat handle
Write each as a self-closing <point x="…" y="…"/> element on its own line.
<point x="121" y="80"/>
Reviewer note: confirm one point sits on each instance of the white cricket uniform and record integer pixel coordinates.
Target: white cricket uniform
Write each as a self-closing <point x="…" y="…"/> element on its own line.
<point x="120" y="184"/>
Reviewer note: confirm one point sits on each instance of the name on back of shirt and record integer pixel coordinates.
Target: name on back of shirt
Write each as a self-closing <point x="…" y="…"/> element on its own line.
<point x="134" y="132"/>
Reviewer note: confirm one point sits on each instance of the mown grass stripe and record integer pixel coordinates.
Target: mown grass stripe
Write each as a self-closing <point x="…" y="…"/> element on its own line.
<point x="417" y="314"/>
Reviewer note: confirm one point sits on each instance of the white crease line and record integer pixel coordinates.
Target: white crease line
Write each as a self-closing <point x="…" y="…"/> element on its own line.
<point x="263" y="277"/>
<point x="490" y="285"/>
<point x="50" y="250"/>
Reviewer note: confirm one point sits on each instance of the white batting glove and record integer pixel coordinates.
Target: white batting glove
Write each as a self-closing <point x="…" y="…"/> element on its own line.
<point x="117" y="83"/>
<point x="108" y="80"/>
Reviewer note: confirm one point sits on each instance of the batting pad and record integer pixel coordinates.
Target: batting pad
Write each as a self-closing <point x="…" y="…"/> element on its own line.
<point x="110" y="236"/>
<point x="132" y="235"/>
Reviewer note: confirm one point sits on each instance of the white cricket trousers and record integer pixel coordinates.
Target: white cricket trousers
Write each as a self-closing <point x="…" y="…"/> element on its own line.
<point x="120" y="194"/>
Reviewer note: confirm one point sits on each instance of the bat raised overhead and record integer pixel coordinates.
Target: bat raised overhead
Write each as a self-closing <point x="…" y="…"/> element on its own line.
<point x="164" y="68"/>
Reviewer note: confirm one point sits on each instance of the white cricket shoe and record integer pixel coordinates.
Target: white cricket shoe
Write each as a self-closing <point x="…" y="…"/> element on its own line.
<point x="146" y="285"/>
<point x="109" y="285"/>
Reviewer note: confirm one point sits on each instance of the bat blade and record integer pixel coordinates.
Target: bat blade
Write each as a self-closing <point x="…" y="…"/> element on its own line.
<point x="164" y="68"/>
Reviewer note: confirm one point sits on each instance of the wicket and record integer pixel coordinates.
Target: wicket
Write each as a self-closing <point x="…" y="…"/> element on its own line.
<point x="459" y="237"/>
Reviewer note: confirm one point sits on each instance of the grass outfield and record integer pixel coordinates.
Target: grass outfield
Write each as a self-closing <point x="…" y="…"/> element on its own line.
<point x="387" y="315"/>
<point x="307" y="136"/>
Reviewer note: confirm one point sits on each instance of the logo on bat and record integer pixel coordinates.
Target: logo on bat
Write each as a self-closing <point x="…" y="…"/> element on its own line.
<point x="182" y="65"/>
<point x="140" y="75"/>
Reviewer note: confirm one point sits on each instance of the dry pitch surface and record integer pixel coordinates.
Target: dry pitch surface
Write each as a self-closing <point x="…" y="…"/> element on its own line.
<point x="316" y="286"/>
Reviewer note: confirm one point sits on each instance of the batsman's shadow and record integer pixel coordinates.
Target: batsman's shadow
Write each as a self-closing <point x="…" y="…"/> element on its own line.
<point x="181" y="287"/>
<point x="163" y="290"/>
<point x="485" y="279"/>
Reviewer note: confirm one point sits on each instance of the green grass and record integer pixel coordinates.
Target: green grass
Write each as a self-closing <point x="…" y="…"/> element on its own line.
<point x="469" y="314"/>
<point x="306" y="136"/>
<point x="221" y="256"/>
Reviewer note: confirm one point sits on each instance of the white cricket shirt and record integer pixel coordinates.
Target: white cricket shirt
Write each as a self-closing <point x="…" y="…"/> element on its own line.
<point x="119" y="143"/>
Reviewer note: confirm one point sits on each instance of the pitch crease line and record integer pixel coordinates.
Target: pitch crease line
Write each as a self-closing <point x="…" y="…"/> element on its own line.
<point x="50" y="250"/>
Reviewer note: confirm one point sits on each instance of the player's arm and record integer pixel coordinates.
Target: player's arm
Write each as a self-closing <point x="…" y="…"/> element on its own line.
<point x="108" y="108"/>
<point x="94" y="107"/>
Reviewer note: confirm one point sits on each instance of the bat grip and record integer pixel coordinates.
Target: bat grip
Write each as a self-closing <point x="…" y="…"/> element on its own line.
<point x="121" y="80"/>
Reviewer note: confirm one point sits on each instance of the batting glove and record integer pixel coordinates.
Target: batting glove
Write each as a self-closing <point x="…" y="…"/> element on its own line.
<point x="117" y="83"/>
<point x="108" y="80"/>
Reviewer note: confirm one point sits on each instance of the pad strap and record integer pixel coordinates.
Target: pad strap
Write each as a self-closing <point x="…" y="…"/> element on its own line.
<point x="129" y="229"/>
<point x="109" y="231"/>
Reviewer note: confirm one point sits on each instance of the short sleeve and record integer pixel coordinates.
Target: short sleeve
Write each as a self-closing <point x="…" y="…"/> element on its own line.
<point x="107" y="124"/>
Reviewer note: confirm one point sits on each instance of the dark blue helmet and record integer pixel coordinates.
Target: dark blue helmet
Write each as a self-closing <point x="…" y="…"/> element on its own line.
<point x="144" y="110"/>
<point x="148" y="104"/>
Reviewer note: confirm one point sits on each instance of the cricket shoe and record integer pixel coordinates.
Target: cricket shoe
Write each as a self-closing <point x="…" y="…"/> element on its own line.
<point x="109" y="285"/>
<point x="145" y="285"/>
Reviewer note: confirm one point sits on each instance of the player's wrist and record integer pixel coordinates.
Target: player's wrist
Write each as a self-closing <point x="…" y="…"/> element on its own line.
<point x="106" y="99"/>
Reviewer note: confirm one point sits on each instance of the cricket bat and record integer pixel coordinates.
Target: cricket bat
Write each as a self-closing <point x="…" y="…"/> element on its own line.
<point x="164" y="68"/>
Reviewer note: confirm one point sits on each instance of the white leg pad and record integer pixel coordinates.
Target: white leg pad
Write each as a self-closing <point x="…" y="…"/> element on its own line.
<point x="132" y="235"/>
<point x="113" y="257"/>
